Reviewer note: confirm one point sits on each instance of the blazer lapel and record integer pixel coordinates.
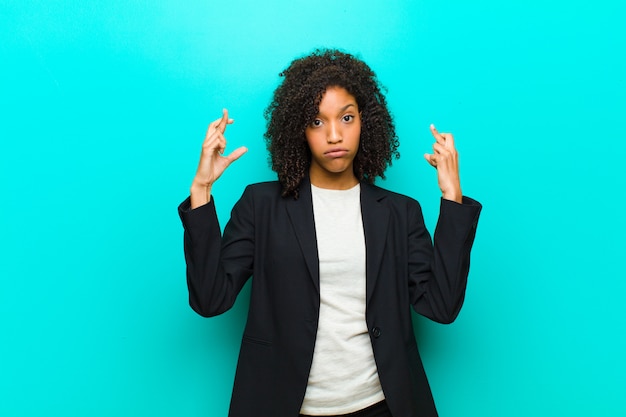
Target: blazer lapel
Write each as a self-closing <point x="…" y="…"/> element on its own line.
<point x="300" y="213"/>
<point x="375" y="222"/>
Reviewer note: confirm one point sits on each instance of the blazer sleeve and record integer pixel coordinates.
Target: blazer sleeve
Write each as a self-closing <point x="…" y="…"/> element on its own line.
<point x="217" y="267"/>
<point x="439" y="271"/>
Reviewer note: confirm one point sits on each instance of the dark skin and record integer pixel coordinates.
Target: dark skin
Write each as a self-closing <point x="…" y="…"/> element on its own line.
<point x="213" y="162"/>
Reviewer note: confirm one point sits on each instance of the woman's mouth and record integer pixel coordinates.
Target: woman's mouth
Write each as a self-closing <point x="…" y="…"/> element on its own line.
<point x="336" y="153"/>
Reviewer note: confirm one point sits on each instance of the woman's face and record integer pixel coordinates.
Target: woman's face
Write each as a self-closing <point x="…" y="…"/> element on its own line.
<point x="333" y="138"/>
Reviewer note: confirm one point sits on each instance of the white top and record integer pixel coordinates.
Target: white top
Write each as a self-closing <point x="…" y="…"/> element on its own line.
<point x="343" y="376"/>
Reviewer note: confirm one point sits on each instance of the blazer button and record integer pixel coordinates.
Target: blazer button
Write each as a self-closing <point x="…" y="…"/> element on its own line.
<point x="376" y="332"/>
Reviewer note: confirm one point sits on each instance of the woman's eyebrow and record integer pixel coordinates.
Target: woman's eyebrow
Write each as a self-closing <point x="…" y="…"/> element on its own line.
<point x="344" y="108"/>
<point x="341" y="110"/>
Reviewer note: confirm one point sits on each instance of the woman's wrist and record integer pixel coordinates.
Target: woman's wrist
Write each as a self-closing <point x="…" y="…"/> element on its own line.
<point x="454" y="195"/>
<point x="200" y="194"/>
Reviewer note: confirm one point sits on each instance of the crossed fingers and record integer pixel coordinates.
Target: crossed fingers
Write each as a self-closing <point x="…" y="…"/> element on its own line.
<point x="215" y="132"/>
<point x="220" y="124"/>
<point x="443" y="147"/>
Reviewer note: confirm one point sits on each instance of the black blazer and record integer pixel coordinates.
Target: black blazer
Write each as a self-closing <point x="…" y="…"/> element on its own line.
<point x="273" y="239"/>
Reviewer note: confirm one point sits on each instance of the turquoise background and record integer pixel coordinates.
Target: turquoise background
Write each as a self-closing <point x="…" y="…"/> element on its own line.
<point x="103" y="108"/>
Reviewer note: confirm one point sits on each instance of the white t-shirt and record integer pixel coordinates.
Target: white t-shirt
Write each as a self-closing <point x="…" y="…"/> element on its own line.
<point x="343" y="376"/>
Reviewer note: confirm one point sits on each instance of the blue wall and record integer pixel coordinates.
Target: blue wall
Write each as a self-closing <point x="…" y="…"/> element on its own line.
<point x="103" y="107"/>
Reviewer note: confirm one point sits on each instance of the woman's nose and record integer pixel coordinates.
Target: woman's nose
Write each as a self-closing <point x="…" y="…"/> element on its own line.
<point x="334" y="134"/>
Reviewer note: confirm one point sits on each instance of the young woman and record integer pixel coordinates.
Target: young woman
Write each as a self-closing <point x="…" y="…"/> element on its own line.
<point x="337" y="262"/>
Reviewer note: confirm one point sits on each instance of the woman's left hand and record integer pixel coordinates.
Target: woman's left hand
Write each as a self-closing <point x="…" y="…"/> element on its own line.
<point x="445" y="159"/>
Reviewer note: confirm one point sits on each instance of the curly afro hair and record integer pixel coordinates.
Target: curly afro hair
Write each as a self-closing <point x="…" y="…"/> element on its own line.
<point x="296" y="104"/>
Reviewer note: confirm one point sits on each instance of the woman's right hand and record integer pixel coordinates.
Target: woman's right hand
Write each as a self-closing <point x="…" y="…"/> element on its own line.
<point x="212" y="161"/>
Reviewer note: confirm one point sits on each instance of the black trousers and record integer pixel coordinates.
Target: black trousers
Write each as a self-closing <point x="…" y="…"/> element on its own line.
<point x="377" y="410"/>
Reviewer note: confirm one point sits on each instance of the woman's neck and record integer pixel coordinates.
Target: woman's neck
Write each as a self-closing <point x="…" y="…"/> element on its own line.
<point x="340" y="181"/>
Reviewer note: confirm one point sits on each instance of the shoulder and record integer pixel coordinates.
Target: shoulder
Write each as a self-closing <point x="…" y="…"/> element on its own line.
<point x="258" y="199"/>
<point x="387" y="196"/>
<point x="263" y="188"/>
<point x="262" y="193"/>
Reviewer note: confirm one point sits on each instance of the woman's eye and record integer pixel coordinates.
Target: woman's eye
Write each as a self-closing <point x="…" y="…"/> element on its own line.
<point x="316" y="123"/>
<point x="348" y="118"/>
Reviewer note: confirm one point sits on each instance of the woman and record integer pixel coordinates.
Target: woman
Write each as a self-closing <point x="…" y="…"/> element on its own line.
<point x="337" y="261"/>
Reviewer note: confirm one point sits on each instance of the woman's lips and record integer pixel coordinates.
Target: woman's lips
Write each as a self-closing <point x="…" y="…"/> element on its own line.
<point x="336" y="153"/>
